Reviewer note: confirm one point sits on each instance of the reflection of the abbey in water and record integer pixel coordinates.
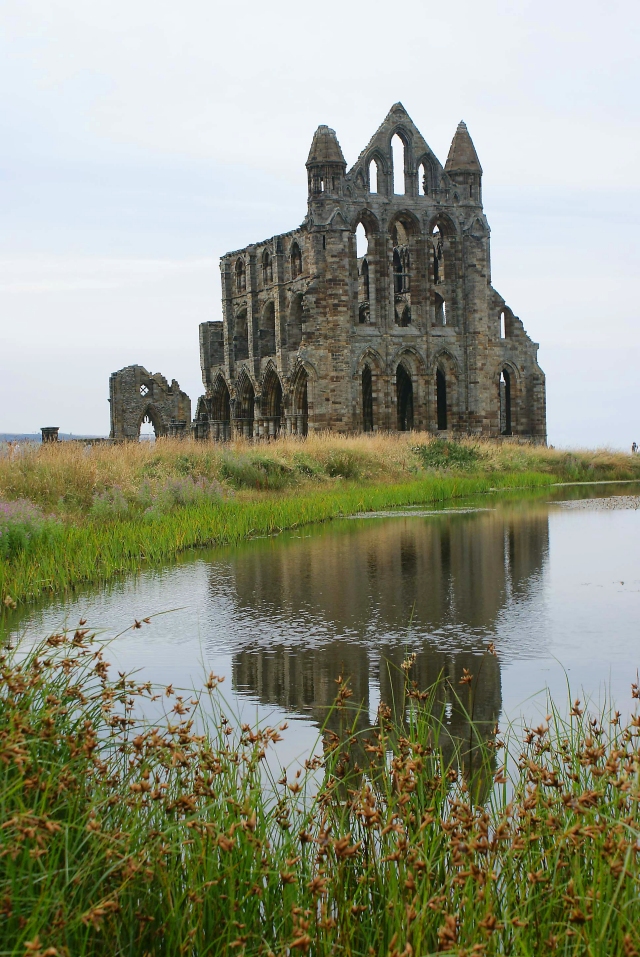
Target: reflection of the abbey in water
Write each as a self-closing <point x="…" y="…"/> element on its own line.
<point x="373" y="591"/>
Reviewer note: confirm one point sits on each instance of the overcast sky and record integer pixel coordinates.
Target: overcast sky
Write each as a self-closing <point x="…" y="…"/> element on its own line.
<point x="141" y="140"/>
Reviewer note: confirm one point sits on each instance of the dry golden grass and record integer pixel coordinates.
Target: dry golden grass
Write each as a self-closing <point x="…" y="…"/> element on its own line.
<point x="66" y="477"/>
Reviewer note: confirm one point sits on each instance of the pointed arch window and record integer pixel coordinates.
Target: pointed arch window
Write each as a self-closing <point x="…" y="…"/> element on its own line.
<point x="296" y="261"/>
<point x="241" y="336"/>
<point x="422" y="180"/>
<point x="241" y="276"/>
<point x="267" y="268"/>
<point x="374" y="177"/>
<point x="404" y="399"/>
<point x="398" y="157"/>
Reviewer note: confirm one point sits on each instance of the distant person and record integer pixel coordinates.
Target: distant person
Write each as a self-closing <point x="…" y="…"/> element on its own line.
<point x="634" y="448"/>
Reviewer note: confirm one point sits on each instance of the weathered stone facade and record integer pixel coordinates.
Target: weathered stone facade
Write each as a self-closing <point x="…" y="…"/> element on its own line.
<point x="410" y="334"/>
<point x="137" y="396"/>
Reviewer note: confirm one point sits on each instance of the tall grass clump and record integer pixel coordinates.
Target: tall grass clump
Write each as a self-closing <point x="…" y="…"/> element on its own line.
<point x="24" y="528"/>
<point x="126" y="836"/>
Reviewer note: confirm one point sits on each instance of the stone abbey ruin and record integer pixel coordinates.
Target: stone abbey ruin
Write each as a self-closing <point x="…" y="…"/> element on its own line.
<point x="405" y="333"/>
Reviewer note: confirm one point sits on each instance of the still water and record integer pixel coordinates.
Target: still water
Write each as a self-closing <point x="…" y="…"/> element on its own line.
<point x="553" y="580"/>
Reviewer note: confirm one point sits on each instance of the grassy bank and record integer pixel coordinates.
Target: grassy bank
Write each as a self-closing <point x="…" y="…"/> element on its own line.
<point x="121" y="838"/>
<point x="95" y="551"/>
<point x="71" y="514"/>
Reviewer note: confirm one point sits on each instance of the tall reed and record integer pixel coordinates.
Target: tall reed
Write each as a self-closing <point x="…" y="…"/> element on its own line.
<point x="121" y="836"/>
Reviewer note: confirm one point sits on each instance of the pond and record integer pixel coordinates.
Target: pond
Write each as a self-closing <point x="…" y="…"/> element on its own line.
<point x="551" y="579"/>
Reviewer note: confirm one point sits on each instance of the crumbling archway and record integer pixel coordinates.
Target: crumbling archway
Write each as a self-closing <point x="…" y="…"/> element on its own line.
<point x="151" y="417"/>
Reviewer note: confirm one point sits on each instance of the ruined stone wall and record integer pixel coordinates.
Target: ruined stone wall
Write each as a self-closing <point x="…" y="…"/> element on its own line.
<point x="410" y="335"/>
<point x="136" y="395"/>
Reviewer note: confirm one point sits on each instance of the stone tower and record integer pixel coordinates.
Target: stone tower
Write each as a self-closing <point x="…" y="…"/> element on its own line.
<point x="407" y="334"/>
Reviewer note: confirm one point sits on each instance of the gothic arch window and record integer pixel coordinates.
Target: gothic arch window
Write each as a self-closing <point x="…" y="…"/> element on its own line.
<point x="296" y="261"/>
<point x="268" y="331"/>
<point x="441" y="400"/>
<point x="374" y="177"/>
<point x="245" y="407"/>
<point x="399" y="161"/>
<point x="241" y="336"/>
<point x="364" y="278"/>
<point x="504" y="390"/>
<point x="367" y="399"/>
<point x="267" y="268"/>
<point x="241" y="276"/>
<point x="503" y="326"/>
<point x="422" y="180"/>
<point x="220" y="401"/>
<point x="404" y="399"/>
<point x="272" y="397"/>
<point x="437" y="253"/>
<point x="294" y="325"/>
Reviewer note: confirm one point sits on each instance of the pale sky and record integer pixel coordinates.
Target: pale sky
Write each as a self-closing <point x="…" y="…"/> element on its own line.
<point x="141" y="140"/>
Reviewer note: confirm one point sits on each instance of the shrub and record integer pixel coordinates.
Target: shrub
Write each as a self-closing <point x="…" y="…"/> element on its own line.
<point x="22" y="524"/>
<point x="440" y="454"/>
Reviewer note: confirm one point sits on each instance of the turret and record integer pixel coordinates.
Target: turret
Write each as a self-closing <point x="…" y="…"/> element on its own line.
<point x="463" y="165"/>
<point x="326" y="165"/>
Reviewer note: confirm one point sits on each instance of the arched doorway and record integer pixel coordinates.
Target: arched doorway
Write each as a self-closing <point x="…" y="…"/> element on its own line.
<point x="300" y="408"/>
<point x="404" y="398"/>
<point x="245" y="408"/>
<point x="151" y="426"/>
<point x="221" y="411"/>
<point x="441" y="400"/>
<point x="272" y="403"/>
<point x="367" y="399"/>
<point x="504" y="391"/>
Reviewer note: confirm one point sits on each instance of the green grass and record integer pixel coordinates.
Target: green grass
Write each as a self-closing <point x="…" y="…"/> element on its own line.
<point x="172" y="837"/>
<point x="95" y="550"/>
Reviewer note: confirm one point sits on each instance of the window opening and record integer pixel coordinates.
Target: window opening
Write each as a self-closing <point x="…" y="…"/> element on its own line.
<point x="438" y="255"/>
<point x="296" y="261"/>
<point x="505" y="403"/>
<point x="267" y="268"/>
<point x="362" y="243"/>
<point x="364" y="274"/>
<point x="294" y="331"/>
<point x="441" y="400"/>
<point x="441" y="311"/>
<point x="373" y="177"/>
<point x="367" y="399"/>
<point x="503" y="326"/>
<point x="397" y="153"/>
<point x="422" y="173"/>
<point x="268" y="331"/>
<point x="241" y="337"/>
<point x="241" y="277"/>
<point x="144" y="390"/>
<point x="404" y="399"/>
